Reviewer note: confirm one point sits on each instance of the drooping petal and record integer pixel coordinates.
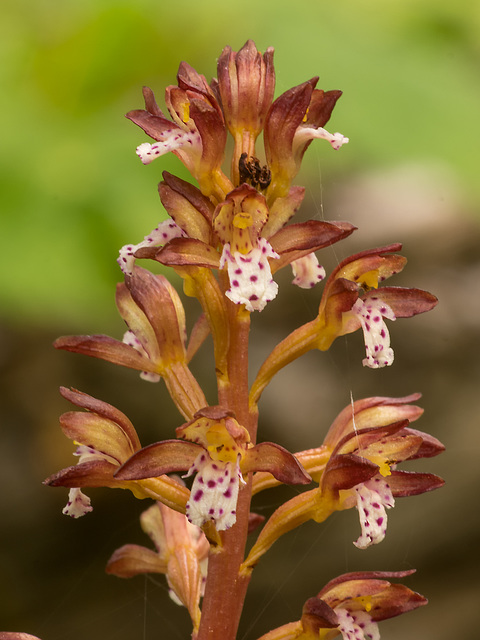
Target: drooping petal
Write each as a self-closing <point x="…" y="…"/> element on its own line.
<point x="214" y="492"/>
<point x="373" y="496"/>
<point x="251" y="281"/>
<point x="78" y="504"/>
<point x="132" y="560"/>
<point x="307" y="271"/>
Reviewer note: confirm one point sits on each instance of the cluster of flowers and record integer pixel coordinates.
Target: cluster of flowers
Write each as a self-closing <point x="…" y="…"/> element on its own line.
<point x="227" y="238"/>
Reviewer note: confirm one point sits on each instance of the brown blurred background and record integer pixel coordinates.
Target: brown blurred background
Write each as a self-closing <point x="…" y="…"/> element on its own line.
<point x="73" y="192"/>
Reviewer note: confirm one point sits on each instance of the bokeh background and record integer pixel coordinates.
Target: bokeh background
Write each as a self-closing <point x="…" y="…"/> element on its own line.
<point x="73" y="192"/>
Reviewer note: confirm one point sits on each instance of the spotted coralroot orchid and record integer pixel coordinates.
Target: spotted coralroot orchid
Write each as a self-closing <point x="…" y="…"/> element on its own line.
<point x="105" y="439"/>
<point x="352" y="299"/>
<point x="181" y="554"/>
<point x="357" y="467"/>
<point x="351" y="606"/>
<point x="225" y="236"/>
<point x="217" y="450"/>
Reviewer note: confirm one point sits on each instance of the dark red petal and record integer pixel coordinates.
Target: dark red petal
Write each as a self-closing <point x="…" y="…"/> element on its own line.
<point x="93" y="473"/>
<point x="316" y="615"/>
<point x="271" y="457"/>
<point x="159" y="458"/>
<point x="412" y="483"/>
<point x="181" y="252"/>
<point x="347" y="470"/>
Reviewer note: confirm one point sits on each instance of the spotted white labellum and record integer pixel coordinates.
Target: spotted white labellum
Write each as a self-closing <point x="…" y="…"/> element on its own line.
<point x="303" y="134"/>
<point x="172" y="139"/>
<point x="357" y="625"/>
<point x="251" y="281"/>
<point x="131" y="339"/>
<point x="373" y="496"/>
<point x="371" y="312"/>
<point x="307" y="271"/>
<point x="214" y="492"/>
<point x="78" y="504"/>
<point x="158" y="237"/>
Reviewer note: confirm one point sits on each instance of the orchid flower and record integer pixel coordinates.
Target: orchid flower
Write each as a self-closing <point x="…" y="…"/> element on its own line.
<point x="105" y="439"/>
<point x="356" y="467"/>
<point x="351" y="605"/>
<point x="216" y="449"/>
<point x="181" y="554"/>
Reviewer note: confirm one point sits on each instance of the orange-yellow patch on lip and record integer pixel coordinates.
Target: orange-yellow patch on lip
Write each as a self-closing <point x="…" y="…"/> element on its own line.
<point x="242" y="220"/>
<point x="186" y="112"/>
<point x="383" y="466"/>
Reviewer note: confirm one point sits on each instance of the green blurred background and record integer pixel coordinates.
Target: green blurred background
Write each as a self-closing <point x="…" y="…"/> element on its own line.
<point x="73" y="192"/>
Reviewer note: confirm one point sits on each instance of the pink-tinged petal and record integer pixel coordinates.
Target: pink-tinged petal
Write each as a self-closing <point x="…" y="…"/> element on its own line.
<point x="348" y="585"/>
<point x="377" y="264"/>
<point x="251" y="281"/>
<point x="272" y="458"/>
<point x="362" y="439"/>
<point x="307" y="271"/>
<point x="184" y="252"/>
<point x="297" y="240"/>
<point x="412" y="483"/>
<point x="403" y="301"/>
<point x="370" y="313"/>
<point x="372" y="412"/>
<point x="158" y="237"/>
<point x="356" y="625"/>
<point x="132" y="560"/>
<point x="106" y="348"/>
<point x="214" y="492"/>
<point x="373" y="496"/>
<point x="246" y="83"/>
<point x="430" y="446"/>
<point x="161" y="304"/>
<point x="141" y="335"/>
<point x="104" y="410"/>
<point x="385" y="600"/>
<point x="98" y="434"/>
<point x="168" y="456"/>
<point x="78" y="504"/>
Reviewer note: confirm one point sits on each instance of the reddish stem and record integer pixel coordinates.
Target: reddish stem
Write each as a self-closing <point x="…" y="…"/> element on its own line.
<point x="225" y="589"/>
